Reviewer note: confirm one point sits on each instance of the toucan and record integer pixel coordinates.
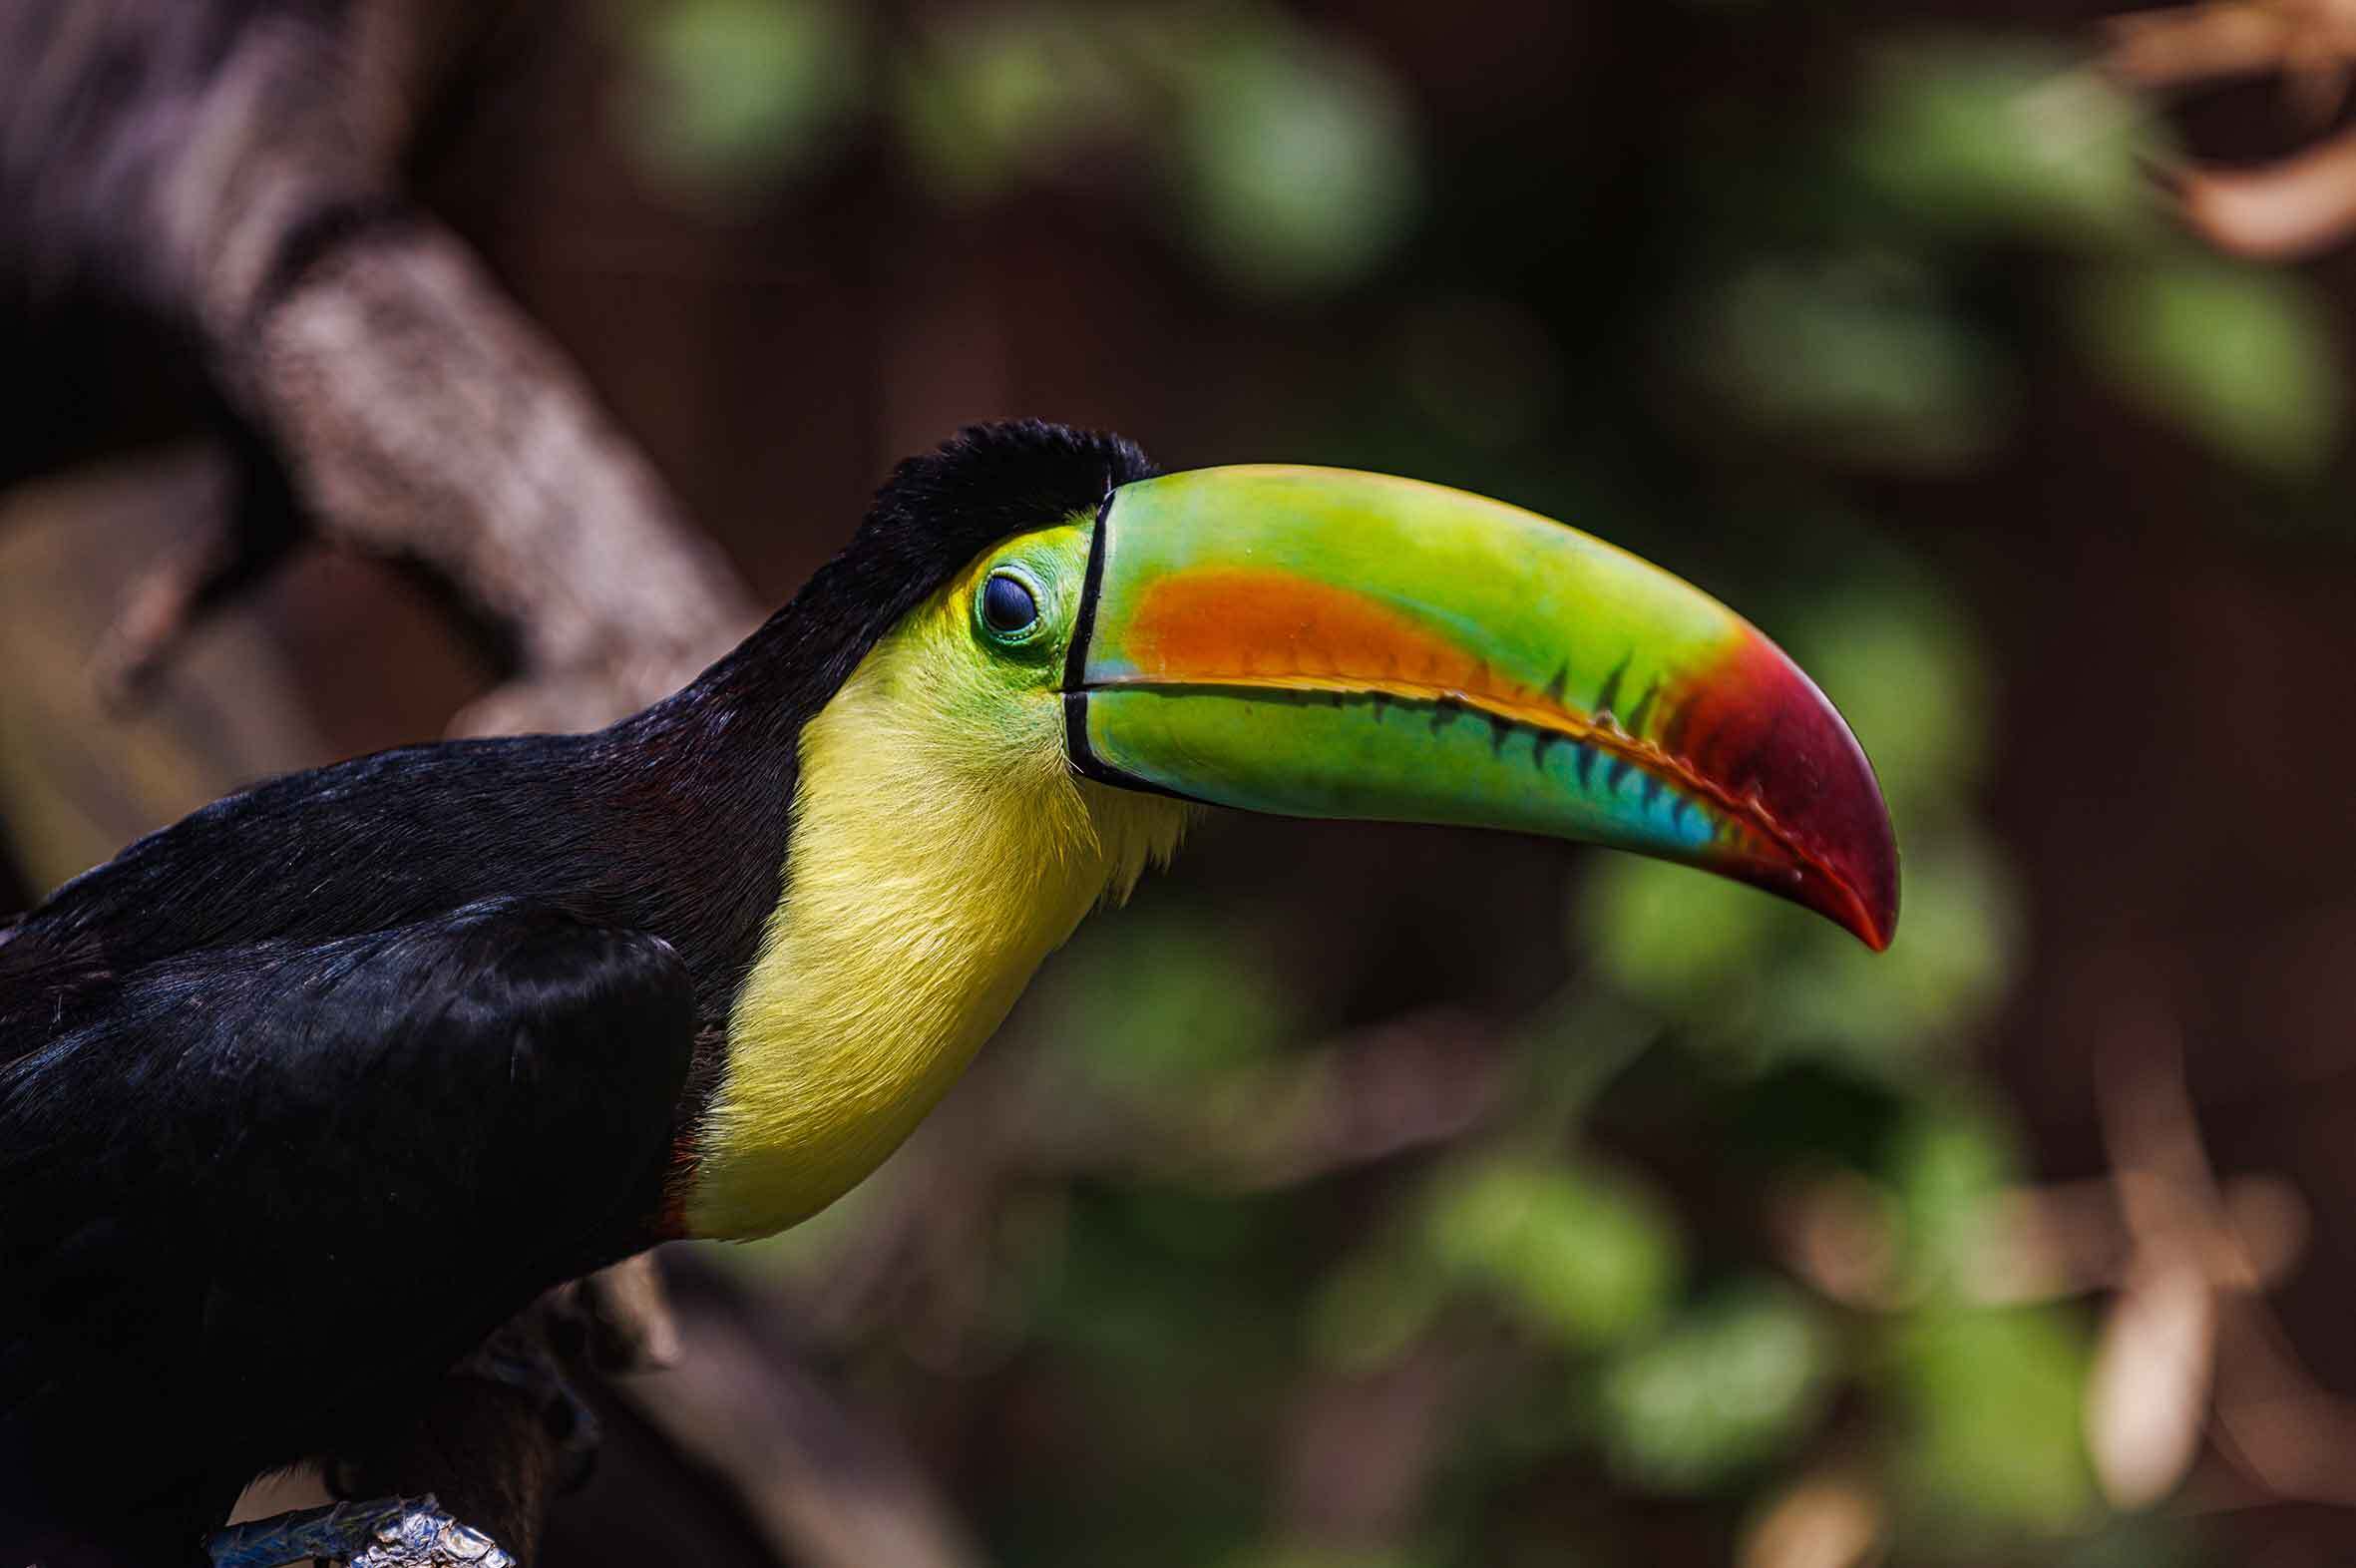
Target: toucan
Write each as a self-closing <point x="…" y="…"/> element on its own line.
<point x="305" y="1094"/>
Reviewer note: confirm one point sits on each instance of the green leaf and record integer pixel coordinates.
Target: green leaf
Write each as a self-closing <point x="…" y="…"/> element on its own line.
<point x="1580" y="1254"/>
<point x="1297" y="156"/>
<point x="1728" y="1386"/>
<point x="1856" y="355"/>
<point x="1994" y="1402"/>
<point x="2242" y="357"/>
<point x="1158" y="1001"/>
<point x="1673" y="936"/>
<point x="1949" y="1167"/>
<point x="733" y="93"/>
<point x="1368" y="1310"/>
<point x="996" y="94"/>
<point x="1995" y="138"/>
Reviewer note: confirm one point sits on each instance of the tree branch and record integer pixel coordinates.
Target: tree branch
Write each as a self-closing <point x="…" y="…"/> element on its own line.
<point x="228" y="167"/>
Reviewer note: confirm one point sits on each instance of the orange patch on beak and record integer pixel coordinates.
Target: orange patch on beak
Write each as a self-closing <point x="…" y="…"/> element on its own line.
<point x="1247" y="624"/>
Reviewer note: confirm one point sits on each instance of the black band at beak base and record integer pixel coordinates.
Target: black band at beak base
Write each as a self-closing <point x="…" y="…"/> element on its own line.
<point x="1077" y="752"/>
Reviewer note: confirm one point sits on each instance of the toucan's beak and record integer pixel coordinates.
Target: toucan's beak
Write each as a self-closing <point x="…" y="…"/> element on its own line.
<point x="1319" y="642"/>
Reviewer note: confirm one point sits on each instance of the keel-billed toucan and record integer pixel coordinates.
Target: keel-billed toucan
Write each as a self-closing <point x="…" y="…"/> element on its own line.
<point x="302" y="1096"/>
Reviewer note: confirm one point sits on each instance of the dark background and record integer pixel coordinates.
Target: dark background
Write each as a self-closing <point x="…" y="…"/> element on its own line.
<point x="1387" y="1196"/>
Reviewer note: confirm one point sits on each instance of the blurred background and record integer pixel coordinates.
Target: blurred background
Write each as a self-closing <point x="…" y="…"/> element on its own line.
<point x="1370" y="1197"/>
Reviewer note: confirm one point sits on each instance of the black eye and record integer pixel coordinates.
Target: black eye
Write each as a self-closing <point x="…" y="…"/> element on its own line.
<point x="1006" y="605"/>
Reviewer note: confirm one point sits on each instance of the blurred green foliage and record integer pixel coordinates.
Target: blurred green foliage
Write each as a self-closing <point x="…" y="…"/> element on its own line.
<point x="1972" y="140"/>
<point x="1294" y="153"/>
<point x="2238" y="356"/>
<point x="1281" y="157"/>
<point x="1857" y="320"/>
<point x="1728" y="1385"/>
<point x="731" y="95"/>
<point x="1992" y="1399"/>
<point x="1855" y="353"/>
<point x="1578" y="1256"/>
<point x="1211" y="1002"/>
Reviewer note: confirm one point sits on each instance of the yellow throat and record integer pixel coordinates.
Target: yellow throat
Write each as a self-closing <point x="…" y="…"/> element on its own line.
<point x="940" y="848"/>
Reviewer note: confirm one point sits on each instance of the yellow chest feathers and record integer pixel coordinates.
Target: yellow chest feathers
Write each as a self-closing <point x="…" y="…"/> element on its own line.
<point x="940" y="848"/>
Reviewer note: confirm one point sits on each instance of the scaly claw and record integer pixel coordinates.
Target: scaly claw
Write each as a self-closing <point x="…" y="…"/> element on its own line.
<point x="386" y="1533"/>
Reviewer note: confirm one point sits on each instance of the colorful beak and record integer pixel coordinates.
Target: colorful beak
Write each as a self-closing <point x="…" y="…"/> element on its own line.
<point x="1318" y="643"/>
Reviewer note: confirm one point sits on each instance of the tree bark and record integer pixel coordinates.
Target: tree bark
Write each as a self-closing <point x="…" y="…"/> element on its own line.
<point x="227" y="171"/>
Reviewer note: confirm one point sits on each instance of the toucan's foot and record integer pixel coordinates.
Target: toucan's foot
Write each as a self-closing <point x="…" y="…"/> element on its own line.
<point x="387" y="1532"/>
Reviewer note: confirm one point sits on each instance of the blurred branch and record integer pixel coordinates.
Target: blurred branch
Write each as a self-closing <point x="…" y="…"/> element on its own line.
<point x="1835" y="1517"/>
<point x="826" y="1487"/>
<point x="76" y="783"/>
<point x="1024" y="1118"/>
<point x="1358" y="1455"/>
<point x="2188" y="1342"/>
<point x="2282" y="210"/>
<point x="2281" y="1428"/>
<point x="2037" y="1243"/>
<point x="228" y="165"/>
<point x="2188" y="1338"/>
<point x="2179" y="46"/>
<point x="627" y="1315"/>
<point x="1408" y="1082"/>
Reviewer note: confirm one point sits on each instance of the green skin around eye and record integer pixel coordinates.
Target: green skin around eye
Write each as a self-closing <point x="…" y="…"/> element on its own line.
<point x="1052" y="568"/>
<point x="1001" y="689"/>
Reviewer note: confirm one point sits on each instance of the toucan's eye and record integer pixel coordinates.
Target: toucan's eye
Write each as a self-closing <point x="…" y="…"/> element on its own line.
<point x="1007" y="607"/>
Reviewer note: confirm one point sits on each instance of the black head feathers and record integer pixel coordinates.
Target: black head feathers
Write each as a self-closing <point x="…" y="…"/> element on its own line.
<point x="989" y="482"/>
<point x="934" y="515"/>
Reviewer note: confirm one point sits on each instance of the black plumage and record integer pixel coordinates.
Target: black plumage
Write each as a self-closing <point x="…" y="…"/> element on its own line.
<point x="302" y="1096"/>
<point x="272" y="1190"/>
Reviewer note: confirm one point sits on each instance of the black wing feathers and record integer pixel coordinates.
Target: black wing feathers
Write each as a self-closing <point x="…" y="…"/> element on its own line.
<point x="262" y="1191"/>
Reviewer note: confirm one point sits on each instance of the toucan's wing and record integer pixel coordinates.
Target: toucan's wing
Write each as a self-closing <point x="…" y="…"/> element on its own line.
<point x="247" y="1195"/>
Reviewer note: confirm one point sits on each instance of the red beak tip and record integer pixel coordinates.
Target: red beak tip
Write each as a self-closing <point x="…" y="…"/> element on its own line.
<point x="1872" y="921"/>
<point x="1873" y="914"/>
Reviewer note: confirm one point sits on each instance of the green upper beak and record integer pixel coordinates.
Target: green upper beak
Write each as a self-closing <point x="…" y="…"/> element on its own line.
<point x="1319" y="642"/>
